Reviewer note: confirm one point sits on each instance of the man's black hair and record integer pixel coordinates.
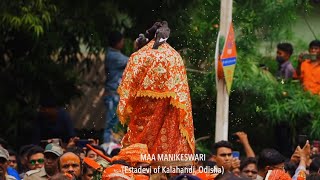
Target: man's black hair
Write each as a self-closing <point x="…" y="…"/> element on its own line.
<point x="76" y="150"/>
<point x="34" y="150"/>
<point x="114" y="38"/>
<point x="313" y="176"/>
<point x="315" y="165"/>
<point x="12" y="153"/>
<point x="24" y="149"/>
<point x="269" y="157"/>
<point x="115" y="152"/>
<point x="85" y="168"/>
<point x="286" y="47"/>
<point x="290" y="167"/>
<point x="245" y="162"/>
<point x="186" y="177"/>
<point x="220" y="144"/>
<point x="122" y="162"/>
<point x="209" y="163"/>
<point x="315" y="156"/>
<point x="314" y="43"/>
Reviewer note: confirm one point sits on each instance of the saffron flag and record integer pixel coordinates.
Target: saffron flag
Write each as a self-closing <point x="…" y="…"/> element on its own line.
<point x="229" y="57"/>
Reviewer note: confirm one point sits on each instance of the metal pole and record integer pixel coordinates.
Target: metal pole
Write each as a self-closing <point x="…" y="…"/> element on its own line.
<point x="222" y="113"/>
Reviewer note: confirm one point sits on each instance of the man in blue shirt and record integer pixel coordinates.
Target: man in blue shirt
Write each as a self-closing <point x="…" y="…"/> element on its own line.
<point x="285" y="70"/>
<point x="115" y="64"/>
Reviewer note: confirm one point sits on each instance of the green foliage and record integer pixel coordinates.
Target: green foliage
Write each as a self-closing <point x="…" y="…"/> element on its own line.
<point x="41" y="56"/>
<point x="32" y="16"/>
<point x="202" y="92"/>
<point x="275" y="101"/>
<point x="258" y="101"/>
<point x="263" y="21"/>
<point x="200" y="34"/>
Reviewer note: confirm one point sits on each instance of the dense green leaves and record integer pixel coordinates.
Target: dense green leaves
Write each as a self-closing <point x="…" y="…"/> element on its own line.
<point x="41" y="56"/>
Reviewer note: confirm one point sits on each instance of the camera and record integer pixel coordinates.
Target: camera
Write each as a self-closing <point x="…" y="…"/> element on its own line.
<point x="302" y="139"/>
<point x="312" y="57"/>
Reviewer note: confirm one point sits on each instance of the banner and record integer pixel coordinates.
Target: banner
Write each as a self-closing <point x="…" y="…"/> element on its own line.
<point x="229" y="58"/>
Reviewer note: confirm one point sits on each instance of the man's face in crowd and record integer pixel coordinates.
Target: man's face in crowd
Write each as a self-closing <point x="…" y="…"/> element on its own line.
<point x="36" y="161"/>
<point x="70" y="163"/>
<point x="3" y="163"/>
<point x="92" y="155"/>
<point x="314" y="151"/>
<point x="50" y="163"/>
<point x="88" y="175"/>
<point x="13" y="162"/>
<point x="223" y="157"/>
<point x="120" y="44"/>
<point x="250" y="171"/>
<point x="284" y="55"/>
<point x="2" y="173"/>
<point x="314" y="50"/>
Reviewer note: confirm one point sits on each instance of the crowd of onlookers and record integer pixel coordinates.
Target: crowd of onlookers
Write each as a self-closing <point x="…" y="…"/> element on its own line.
<point x="307" y="70"/>
<point x="52" y="159"/>
<point x="77" y="160"/>
<point x="269" y="163"/>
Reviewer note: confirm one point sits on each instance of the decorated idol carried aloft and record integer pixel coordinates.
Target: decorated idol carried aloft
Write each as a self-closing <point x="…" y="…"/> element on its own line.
<point x="154" y="97"/>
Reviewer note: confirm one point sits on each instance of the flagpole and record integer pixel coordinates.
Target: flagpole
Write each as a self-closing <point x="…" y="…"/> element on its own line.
<point x="222" y="113"/>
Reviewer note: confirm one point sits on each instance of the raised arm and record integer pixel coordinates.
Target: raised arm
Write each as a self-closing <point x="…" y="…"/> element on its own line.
<point x="243" y="139"/>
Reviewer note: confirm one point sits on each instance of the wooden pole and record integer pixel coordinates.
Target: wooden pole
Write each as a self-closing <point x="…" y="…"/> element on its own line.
<point x="222" y="113"/>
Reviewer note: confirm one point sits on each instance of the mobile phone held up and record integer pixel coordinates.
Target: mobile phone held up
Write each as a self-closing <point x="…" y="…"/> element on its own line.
<point x="236" y="154"/>
<point x="82" y="143"/>
<point x="302" y="139"/>
<point x="312" y="57"/>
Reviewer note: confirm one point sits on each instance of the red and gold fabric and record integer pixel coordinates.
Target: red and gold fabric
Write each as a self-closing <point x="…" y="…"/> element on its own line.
<point x="141" y="177"/>
<point x="117" y="170"/>
<point x="277" y="174"/>
<point x="302" y="175"/>
<point x="155" y="101"/>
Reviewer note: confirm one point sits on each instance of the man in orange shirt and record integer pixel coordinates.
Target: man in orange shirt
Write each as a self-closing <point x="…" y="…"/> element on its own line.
<point x="310" y="69"/>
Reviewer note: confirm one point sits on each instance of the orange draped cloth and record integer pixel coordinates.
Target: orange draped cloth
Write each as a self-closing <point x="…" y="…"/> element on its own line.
<point x="155" y="101"/>
<point x="310" y="73"/>
<point x="277" y="175"/>
<point x="117" y="171"/>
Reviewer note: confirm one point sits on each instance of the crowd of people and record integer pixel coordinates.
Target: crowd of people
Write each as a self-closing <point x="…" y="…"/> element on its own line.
<point x="70" y="161"/>
<point x="307" y="70"/>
